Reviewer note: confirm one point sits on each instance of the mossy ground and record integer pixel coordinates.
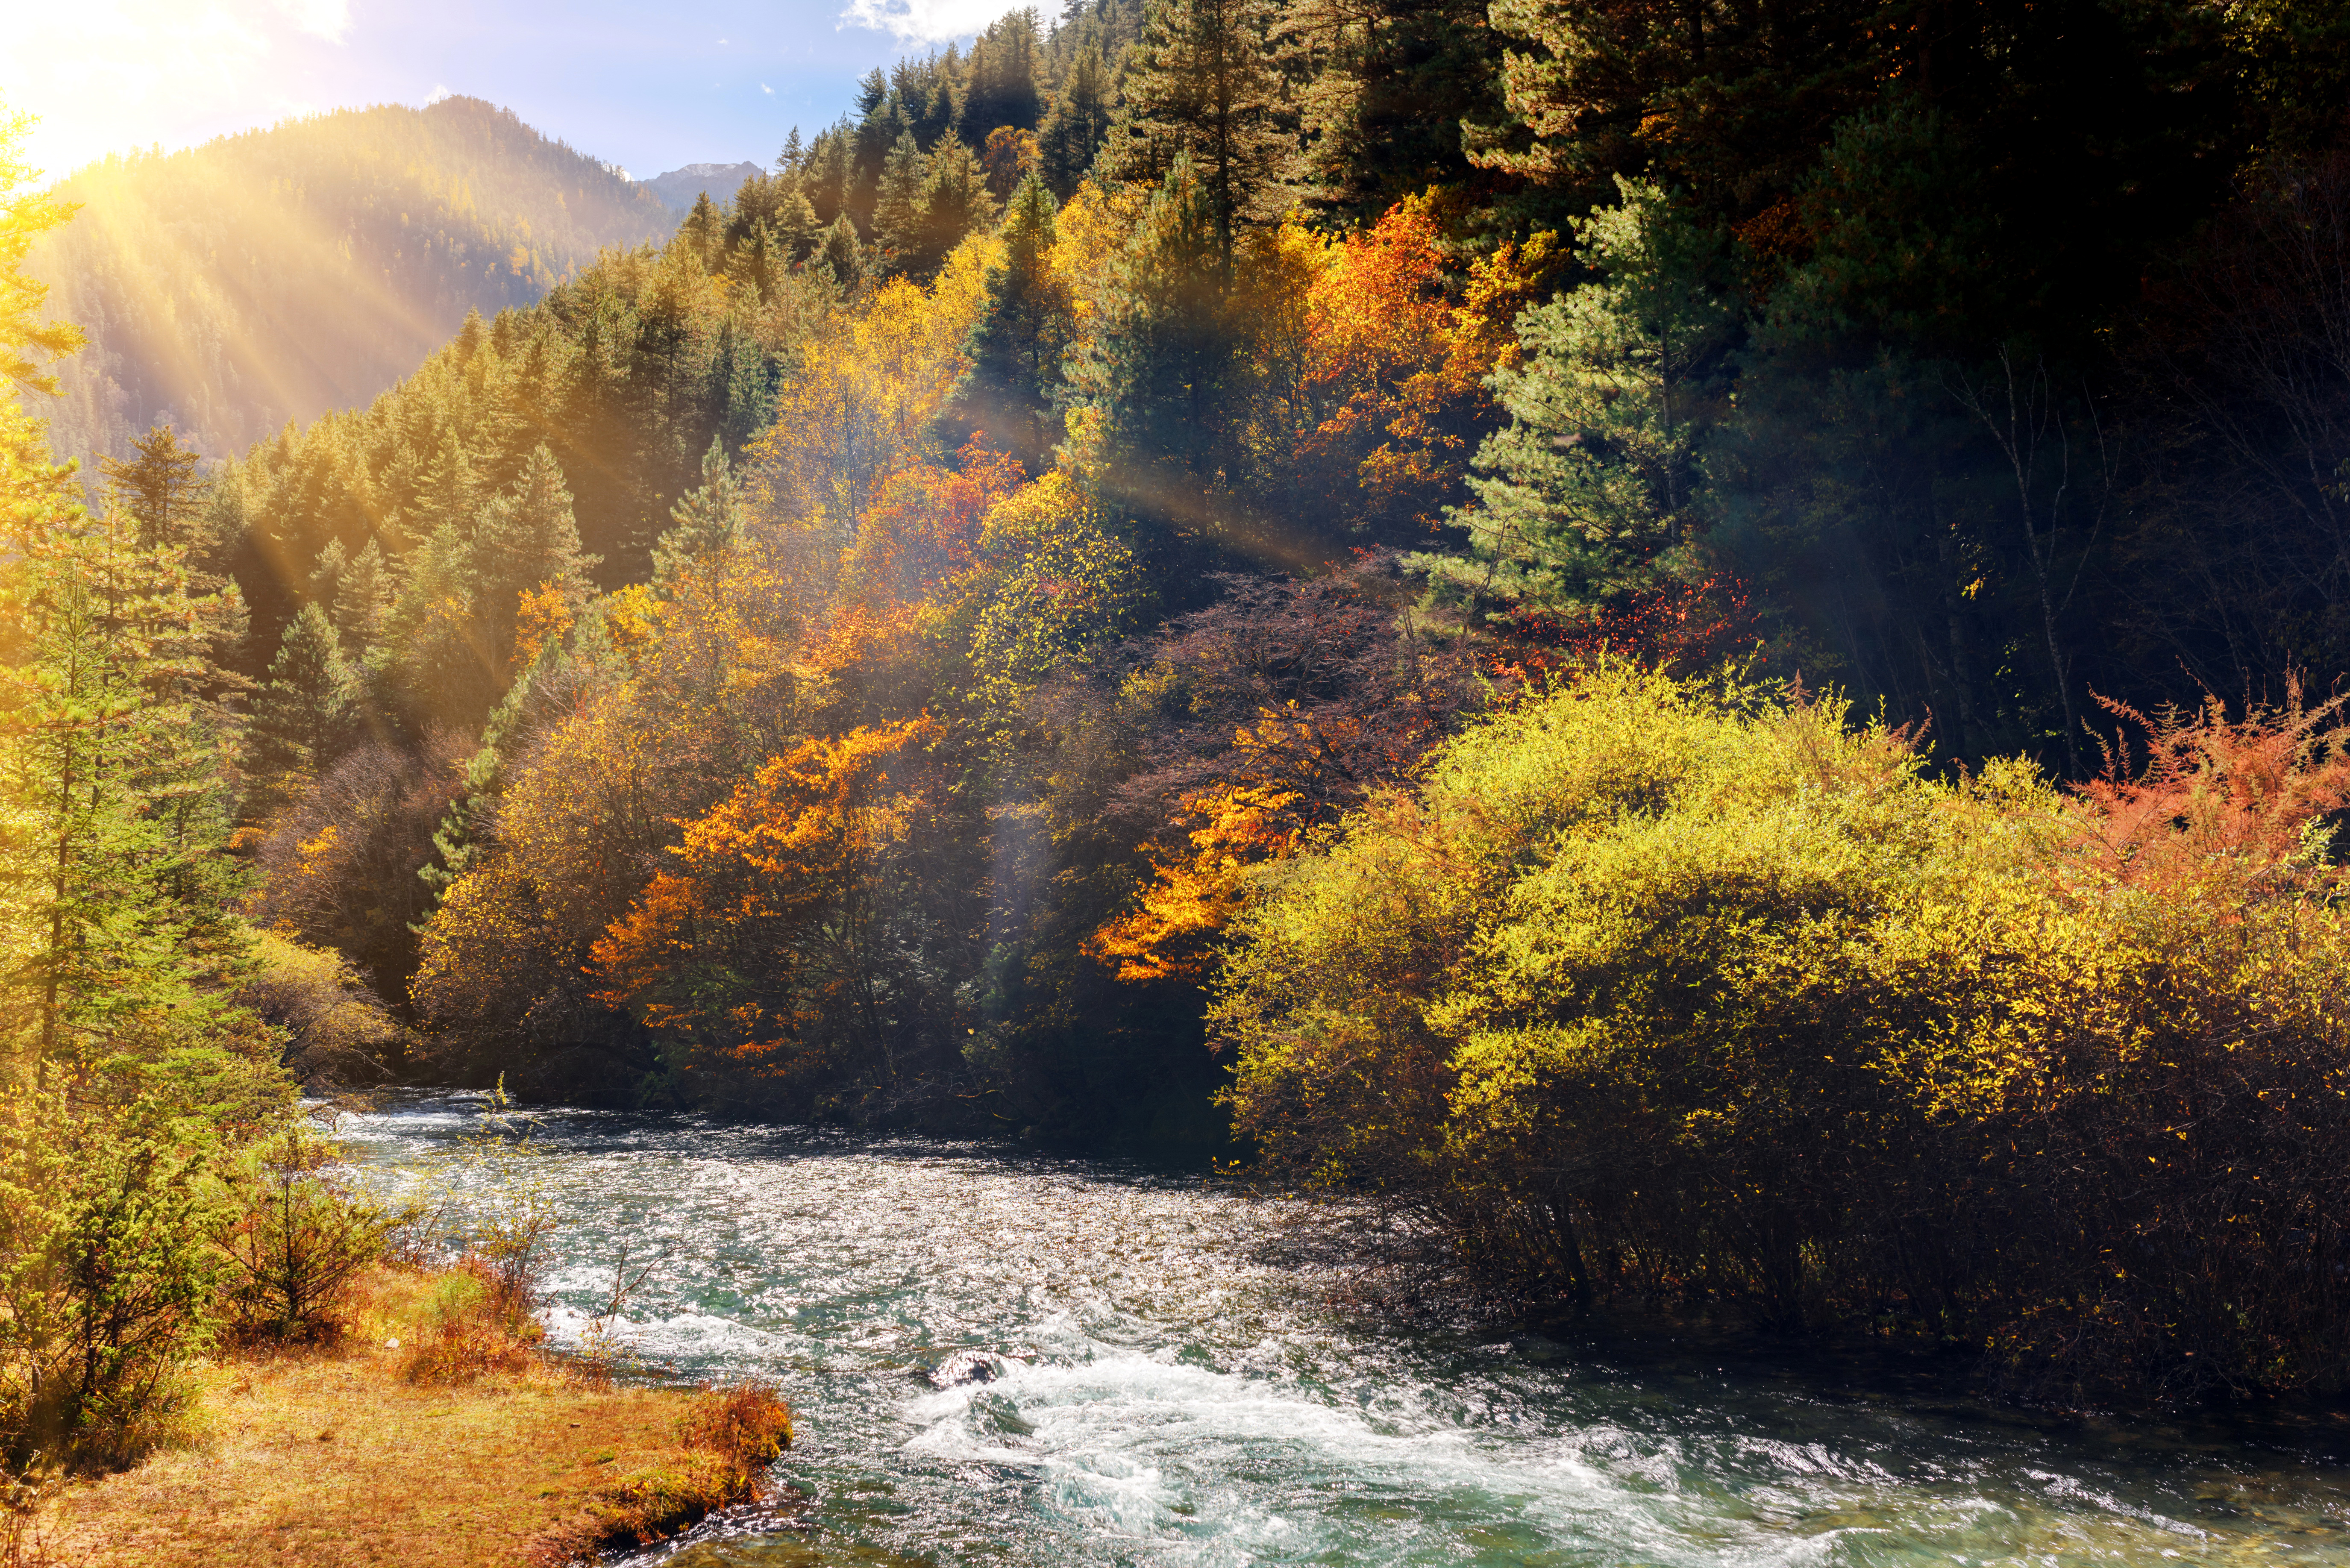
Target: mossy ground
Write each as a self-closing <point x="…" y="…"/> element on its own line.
<point x="332" y="1456"/>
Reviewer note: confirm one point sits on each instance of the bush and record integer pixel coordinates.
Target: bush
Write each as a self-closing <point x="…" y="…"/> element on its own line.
<point x="1655" y="991"/>
<point x="106" y="1271"/>
<point x="303" y="1237"/>
<point x="477" y="1327"/>
<point x="730" y="1436"/>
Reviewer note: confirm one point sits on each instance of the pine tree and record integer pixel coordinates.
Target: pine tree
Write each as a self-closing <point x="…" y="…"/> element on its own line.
<point x="839" y="259"/>
<point x="363" y="596"/>
<point x="449" y="492"/>
<point x="1163" y="374"/>
<point x="1016" y="349"/>
<point x="1073" y="133"/>
<point x="705" y="521"/>
<point x="703" y="233"/>
<point x="955" y="200"/>
<point x="526" y="542"/>
<point x="303" y="715"/>
<point x="1199" y="83"/>
<point x="164" y="488"/>
<point x="1000" y="86"/>
<point x="1595" y="489"/>
<point x="897" y="214"/>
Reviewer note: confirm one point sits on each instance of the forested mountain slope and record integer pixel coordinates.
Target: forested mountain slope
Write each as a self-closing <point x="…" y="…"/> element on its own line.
<point x="279" y="273"/>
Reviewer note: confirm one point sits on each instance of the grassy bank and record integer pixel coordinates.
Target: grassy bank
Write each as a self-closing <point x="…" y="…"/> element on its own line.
<point x="386" y="1447"/>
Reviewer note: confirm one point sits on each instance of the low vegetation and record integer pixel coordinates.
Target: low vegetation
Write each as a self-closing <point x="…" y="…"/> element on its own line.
<point x="1681" y="992"/>
<point x="371" y="1448"/>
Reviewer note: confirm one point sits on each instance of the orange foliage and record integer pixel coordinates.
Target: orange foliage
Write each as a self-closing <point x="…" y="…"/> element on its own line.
<point x="759" y="932"/>
<point x="1397" y="371"/>
<point x="1191" y="900"/>
<point x="1678" y="630"/>
<point x="2218" y="801"/>
<point x="924" y="525"/>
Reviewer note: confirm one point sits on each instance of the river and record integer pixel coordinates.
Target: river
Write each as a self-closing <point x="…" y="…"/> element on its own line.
<point x="999" y="1355"/>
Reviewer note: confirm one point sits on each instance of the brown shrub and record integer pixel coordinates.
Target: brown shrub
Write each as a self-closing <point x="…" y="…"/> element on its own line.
<point x="727" y="1439"/>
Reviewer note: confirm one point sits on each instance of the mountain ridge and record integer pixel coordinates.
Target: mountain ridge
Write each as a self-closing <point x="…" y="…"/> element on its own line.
<point x="275" y="274"/>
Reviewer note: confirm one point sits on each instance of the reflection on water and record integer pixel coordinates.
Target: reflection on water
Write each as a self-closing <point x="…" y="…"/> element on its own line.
<point x="1001" y="1356"/>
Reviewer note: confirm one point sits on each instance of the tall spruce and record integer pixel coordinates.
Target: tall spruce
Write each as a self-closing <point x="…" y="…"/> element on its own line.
<point x="1016" y="349"/>
<point x="1198" y="83"/>
<point x="1072" y="135"/>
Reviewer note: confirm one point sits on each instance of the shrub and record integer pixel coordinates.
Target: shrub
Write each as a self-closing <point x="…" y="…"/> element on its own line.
<point x="106" y="1271"/>
<point x="475" y="1327"/>
<point x="730" y="1436"/>
<point x="302" y="1238"/>
<point x="1656" y="989"/>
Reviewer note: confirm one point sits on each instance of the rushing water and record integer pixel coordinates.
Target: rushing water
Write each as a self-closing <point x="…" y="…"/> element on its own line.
<point x="998" y="1356"/>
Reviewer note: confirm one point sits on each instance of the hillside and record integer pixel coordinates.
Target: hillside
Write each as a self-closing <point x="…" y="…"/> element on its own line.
<point x="678" y="187"/>
<point x="280" y="274"/>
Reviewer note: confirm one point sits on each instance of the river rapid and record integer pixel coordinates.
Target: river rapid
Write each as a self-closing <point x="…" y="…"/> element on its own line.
<point x="1003" y="1357"/>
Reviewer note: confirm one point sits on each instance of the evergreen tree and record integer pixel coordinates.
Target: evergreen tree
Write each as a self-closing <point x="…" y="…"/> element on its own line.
<point x="705" y="521"/>
<point x="897" y="214"/>
<point x="999" y="83"/>
<point x="1163" y="377"/>
<point x="1073" y="133"/>
<point x="829" y="174"/>
<point x="1016" y="349"/>
<point x="526" y="542"/>
<point x="162" y="488"/>
<point x="839" y="259"/>
<point x="702" y="234"/>
<point x="955" y="200"/>
<point x="303" y="715"/>
<point x="1594" y="491"/>
<point x="1199" y="83"/>
<point x="448" y="492"/>
<point x="362" y="597"/>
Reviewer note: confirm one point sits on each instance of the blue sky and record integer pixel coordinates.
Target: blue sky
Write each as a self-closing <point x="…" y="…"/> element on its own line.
<point x="649" y="87"/>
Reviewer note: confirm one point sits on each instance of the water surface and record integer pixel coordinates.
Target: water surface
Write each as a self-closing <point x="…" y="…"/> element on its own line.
<point x="1001" y="1356"/>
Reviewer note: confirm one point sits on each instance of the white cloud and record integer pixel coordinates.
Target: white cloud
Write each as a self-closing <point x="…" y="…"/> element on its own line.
<point x="327" y="19"/>
<point x="440" y="91"/>
<point x="922" y="21"/>
<point x="765" y="89"/>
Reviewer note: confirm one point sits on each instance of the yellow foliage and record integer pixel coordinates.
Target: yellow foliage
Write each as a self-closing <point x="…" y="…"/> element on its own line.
<point x="870" y="383"/>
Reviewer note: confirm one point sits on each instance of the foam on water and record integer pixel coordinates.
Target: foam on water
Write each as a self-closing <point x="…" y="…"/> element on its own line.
<point x="1001" y="1356"/>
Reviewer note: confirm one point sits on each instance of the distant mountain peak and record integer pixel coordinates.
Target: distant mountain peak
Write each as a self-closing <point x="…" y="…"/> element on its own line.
<point x="678" y="187"/>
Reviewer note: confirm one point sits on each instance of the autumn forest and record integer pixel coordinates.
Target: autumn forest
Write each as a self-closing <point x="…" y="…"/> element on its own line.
<point x="1699" y="645"/>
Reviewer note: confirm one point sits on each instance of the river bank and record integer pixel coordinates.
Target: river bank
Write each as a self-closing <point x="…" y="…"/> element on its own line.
<point x="329" y="1456"/>
<point x="1025" y="1357"/>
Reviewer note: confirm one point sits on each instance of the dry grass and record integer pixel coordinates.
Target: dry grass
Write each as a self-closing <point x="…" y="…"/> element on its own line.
<point x="343" y="1455"/>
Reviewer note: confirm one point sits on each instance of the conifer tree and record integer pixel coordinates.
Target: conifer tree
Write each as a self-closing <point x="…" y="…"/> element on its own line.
<point x="705" y="521"/>
<point x="362" y="595"/>
<point x="162" y="488"/>
<point x="955" y="200"/>
<point x="1163" y="374"/>
<point x="839" y="259"/>
<point x="796" y="228"/>
<point x="303" y="715"/>
<point x="448" y="492"/>
<point x="703" y="233"/>
<point x="898" y="213"/>
<point x="1198" y="83"/>
<point x="1016" y="349"/>
<point x="1072" y="134"/>
<point x="1000" y="85"/>
<point x="527" y="541"/>
<point x="1595" y="488"/>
